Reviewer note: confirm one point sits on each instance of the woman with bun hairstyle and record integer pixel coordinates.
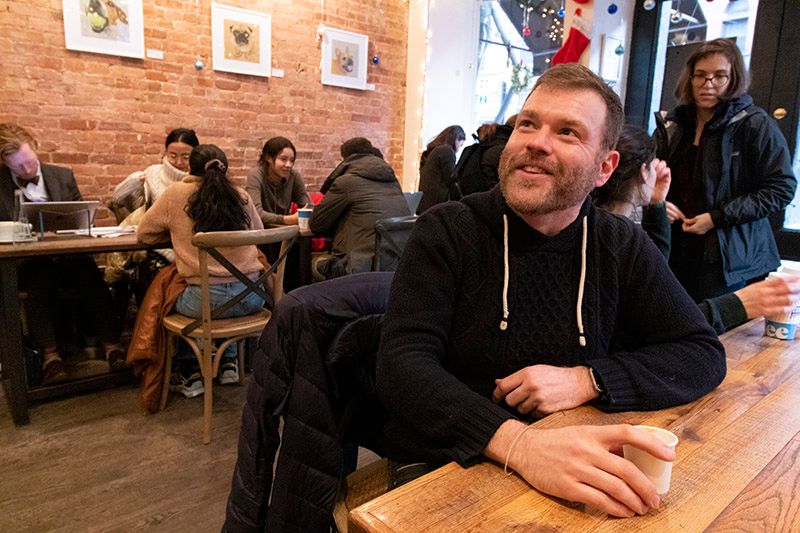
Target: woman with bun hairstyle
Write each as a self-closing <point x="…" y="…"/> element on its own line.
<point x="205" y="200"/>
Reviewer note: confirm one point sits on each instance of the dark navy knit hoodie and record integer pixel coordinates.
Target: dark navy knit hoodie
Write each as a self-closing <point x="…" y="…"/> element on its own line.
<point x="443" y="344"/>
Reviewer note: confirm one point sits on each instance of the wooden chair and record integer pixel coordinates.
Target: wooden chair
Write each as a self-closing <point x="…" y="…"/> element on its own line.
<point x="233" y="330"/>
<point x="391" y="235"/>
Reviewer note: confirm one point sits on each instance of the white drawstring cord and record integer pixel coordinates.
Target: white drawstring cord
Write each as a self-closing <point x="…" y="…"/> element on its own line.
<point x="581" y="336"/>
<point x="504" y="321"/>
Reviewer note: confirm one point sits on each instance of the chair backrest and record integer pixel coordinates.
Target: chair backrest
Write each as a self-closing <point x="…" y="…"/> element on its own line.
<point x="413" y="199"/>
<point x="208" y="243"/>
<point x="391" y="235"/>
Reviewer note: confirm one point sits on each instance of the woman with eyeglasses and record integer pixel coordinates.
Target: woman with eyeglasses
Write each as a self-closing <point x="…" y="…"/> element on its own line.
<point x="731" y="170"/>
<point x="143" y="187"/>
<point x="133" y="197"/>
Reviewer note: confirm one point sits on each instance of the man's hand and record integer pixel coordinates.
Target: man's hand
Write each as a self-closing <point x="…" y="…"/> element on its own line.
<point x="700" y="225"/>
<point x="770" y="297"/>
<point x="674" y="213"/>
<point x="290" y="219"/>
<point x="663" y="181"/>
<point x="582" y="464"/>
<point x="545" y="389"/>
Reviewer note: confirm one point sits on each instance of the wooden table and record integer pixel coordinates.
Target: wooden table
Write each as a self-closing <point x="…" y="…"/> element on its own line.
<point x="737" y="466"/>
<point x="11" y="350"/>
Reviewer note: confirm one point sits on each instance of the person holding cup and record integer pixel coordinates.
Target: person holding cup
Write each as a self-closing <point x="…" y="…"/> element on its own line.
<point x="526" y="300"/>
<point x="274" y="183"/>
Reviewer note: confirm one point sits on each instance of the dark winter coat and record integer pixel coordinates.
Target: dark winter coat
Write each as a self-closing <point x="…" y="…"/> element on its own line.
<point x="746" y="176"/>
<point x="315" y="369"/>
<point x="366" y="190"/>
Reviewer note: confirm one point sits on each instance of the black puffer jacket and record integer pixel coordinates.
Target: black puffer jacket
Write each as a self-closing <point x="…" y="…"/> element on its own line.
<point x="314" y="367"/>
<point x="747" y="176"/>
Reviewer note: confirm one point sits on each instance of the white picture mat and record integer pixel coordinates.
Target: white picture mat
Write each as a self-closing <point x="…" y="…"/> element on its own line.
<point x="219" y="13"/>
<point x="360" y="44"/>
<point x="76" y="40"/>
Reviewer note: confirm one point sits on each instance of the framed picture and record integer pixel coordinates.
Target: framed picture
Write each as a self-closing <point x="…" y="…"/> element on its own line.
<point x="344" y="59"/>
<point x="114" y="27"/>
<point x="241" y="40"/>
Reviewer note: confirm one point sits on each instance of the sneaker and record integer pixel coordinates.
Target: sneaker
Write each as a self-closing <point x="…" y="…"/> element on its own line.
<point x="190" y="386"/>
<point x="53" y="371"/>
<point x="229" y="373"/>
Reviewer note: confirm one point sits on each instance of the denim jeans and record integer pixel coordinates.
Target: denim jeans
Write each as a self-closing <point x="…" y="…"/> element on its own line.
<point x="190" y="304"/>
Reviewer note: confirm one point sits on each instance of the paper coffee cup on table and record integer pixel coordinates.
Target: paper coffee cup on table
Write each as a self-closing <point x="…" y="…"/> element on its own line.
<point x="657" y="471"/>
<point x="303" y="216"/>
<point x="783" y="326"/>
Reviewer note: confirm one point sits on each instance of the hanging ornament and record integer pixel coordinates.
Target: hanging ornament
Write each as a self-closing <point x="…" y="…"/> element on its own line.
<point x="648" y="5"/>
<point x="560" y="13"/>
<point x="676" y="16"/>
<point x="612" y="8"/>
<point x="619" y="50"/>
<point x="526" y="13"/>
<point x="376" y="60"/>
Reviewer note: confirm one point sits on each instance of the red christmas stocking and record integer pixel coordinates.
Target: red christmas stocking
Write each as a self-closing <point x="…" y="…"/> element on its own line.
<point x="576" y="43"/>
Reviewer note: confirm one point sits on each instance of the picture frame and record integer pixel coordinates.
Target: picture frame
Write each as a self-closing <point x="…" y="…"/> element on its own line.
<point x="104" y="27"/>
<point x="344" y="59"/>
<point x="241" y="40"/>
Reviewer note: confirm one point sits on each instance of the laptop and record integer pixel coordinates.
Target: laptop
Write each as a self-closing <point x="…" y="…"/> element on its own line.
<point x="60" y="216"/>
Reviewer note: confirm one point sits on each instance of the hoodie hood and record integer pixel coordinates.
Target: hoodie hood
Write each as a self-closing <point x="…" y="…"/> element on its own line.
<point x="369" y="167"/>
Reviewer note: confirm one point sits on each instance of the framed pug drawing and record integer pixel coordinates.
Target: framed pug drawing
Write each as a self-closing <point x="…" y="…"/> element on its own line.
<point x="114" y="27"/>
<point x="344" y="59"/>
<point x="241" y="40"/>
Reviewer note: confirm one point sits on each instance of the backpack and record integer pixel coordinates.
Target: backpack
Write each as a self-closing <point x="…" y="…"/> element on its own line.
<point x="467" y="176"/>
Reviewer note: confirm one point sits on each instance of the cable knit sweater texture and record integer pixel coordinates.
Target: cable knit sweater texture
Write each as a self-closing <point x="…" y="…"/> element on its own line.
<point x="167" y="219"/>
<point x="442" y="348"/>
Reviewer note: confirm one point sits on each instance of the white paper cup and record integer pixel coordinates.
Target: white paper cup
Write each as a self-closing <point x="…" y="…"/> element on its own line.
<point x="783" y="326"/>
<point x="303" y="216"/>
<point x="657" y="471"/>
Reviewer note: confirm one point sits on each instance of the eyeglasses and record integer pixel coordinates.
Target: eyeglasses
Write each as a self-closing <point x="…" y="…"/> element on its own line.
<point x="174" y="157"/>
<point x="717" y="80"/>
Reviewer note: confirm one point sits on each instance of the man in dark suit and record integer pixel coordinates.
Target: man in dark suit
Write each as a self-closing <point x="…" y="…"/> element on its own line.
<point x="42" y="278"/>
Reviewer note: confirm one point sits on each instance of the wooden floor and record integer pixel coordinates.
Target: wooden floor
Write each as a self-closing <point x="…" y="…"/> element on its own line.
<point x="95" y="463"/>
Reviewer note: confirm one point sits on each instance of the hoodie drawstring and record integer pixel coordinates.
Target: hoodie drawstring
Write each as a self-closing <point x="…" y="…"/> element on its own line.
<point x="579" y="314"/>
<point x="504" y="322"/>
<point x="582" y="283"/>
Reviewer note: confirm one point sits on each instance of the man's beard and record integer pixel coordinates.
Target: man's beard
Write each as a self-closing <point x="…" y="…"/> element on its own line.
<point x="567" y="188"/>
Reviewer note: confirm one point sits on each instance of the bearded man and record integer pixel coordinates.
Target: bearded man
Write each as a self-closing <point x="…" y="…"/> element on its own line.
<point x="526" y="300"/>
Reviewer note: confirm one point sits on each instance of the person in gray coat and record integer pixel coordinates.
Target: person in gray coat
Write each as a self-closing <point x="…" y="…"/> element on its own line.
<point x="362" y="190"/>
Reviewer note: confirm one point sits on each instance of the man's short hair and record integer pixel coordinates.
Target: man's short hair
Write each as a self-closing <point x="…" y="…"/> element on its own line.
<point x="356" y="145"/>
<point x="727" y="48"/>
<point x="12" y="137"/>
<point x="575" y="76"/>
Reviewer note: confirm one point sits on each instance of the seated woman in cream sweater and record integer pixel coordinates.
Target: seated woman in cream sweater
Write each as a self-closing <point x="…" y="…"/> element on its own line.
<point x="205" y="200"/>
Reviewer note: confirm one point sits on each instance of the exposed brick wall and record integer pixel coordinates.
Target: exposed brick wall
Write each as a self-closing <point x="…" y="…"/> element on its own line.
<point x="107" y="116"/>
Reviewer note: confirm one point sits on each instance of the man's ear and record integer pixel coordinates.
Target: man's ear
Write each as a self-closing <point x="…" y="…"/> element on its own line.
<point x="643" y="173"/>
<point x="607" y="166"/>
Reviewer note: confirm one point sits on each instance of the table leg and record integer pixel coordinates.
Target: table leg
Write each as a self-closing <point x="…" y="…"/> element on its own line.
<point x="16" y="389"/>
<point x="304" y="260"/>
